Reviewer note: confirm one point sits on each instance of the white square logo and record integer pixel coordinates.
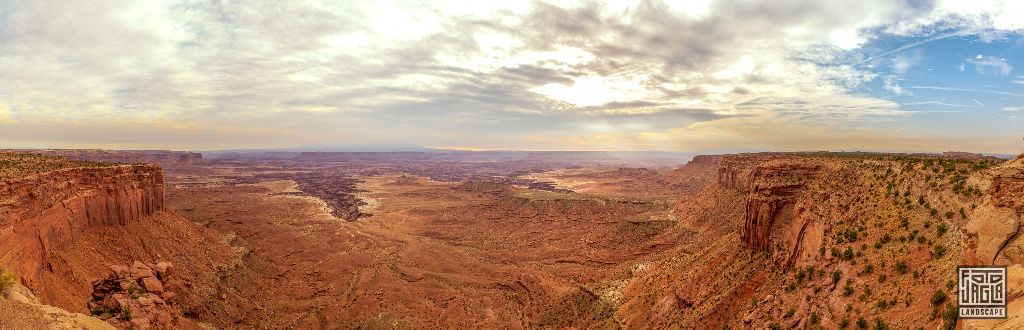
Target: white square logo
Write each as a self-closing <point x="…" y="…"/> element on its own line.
<point x="982" y="292"/>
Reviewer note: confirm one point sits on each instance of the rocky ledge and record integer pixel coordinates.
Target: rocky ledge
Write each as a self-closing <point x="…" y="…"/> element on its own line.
<point x="134" y="297"/>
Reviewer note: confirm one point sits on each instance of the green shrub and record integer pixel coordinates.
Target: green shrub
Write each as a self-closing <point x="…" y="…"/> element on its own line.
<point x="940" y="229"/>
<point x="901" y="267"/>
<point x="7" y="280"/>
<point x="938" y="298"/>
<point x="126" y="313"/>
<point x="848" y="254"/>
<point x="949" y="317"/>
<point x="789" y="313"/>
<point x="862" y="323"/>
<point x="880" y="325"/>
<point x="845" y="322"/>
<point x="868" y="269"/>
<point x="939" y="251"/>
<point x="835" y="276"/>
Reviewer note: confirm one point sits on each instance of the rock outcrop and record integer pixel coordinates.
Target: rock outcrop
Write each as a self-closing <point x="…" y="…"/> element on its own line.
<point x="993" y="237"/>
<point x="20" y="309"/>
<point x="45" y="212"/>
<point x="993" y="233"/>
<point x="134" y="297"/>
<point x="707" y="159"/>
<point x="772" y="220"/>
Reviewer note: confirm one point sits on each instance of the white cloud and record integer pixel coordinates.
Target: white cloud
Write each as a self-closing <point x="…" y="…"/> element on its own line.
<point x="890" y="84"/>
<point x="990" y="65"/>
<point x="1012" y="109"/>
<point x="904" y="61"/>
<point x="311" y="69"/>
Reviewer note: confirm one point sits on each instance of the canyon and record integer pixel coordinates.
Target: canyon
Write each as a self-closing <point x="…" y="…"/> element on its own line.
<point x="504" y="239"/>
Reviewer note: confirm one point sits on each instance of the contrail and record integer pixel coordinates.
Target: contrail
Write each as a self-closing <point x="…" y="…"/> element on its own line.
<point x="909" y="46"/>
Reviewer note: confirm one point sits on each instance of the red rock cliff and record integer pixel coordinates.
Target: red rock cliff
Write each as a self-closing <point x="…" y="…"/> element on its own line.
<point x="771" y="209"/>
<point x="45" y="212"/>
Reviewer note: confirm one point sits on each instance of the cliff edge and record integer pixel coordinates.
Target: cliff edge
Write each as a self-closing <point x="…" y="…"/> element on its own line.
<point x="44" y="212"/>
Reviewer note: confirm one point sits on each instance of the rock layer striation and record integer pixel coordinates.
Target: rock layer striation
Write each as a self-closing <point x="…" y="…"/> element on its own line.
<point x="43" y="213"/>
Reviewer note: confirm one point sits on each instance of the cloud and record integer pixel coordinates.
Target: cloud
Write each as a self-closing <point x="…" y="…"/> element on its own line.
<point x="990" y="65"/>
<point x="272" y="73"/>
<point x="890" y="84"/>
<point x="939" y="103"/>
<point x="1013" y="109"/>
<point x="903" y="62"/>
<point x="968" y="90"/>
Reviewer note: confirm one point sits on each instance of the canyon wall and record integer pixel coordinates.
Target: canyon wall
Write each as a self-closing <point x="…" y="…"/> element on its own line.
<point x="993" y="233"/>
<point x="773" y="218"/>
<point x="43" y="213"/>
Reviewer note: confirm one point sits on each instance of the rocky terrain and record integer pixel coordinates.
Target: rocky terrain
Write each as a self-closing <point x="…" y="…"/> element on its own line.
<point x="549" y="240"/>
<point x="60" y="228"/>
<point x="134" y="297"/>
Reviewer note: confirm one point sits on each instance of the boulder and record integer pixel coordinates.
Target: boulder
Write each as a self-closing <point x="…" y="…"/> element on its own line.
<point x="140" y="270"/>
<point x="135" y="297"/>
<point x="164" y="269"/>
<point x="151" y="284"/>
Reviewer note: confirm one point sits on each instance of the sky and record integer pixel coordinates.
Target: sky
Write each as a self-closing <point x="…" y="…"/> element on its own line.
<point x="702" y="75"/>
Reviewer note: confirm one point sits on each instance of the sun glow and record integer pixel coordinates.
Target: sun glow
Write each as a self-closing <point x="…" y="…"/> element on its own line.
<point x="594" y="91"/>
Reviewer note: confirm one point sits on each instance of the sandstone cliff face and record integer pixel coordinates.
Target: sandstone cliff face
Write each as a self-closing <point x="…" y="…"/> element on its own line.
<point x="20" y="309"/>
<point x="993" y="236"/>
<point x="773" y="220"/>
<point x="993" y="233"/>
<point x="42" y="213"/>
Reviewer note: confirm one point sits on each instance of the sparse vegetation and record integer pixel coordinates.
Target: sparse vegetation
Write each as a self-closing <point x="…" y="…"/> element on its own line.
<point x="15" y="164"/>
<point x="949" y="317"/>
<point x="126" y="313"/>
<point x="880" y="324"/>
<point x="938" y="298"/>
<point x="901" y="267"/>
<point x="7" y="280"/>
<point x="939" y="251"/>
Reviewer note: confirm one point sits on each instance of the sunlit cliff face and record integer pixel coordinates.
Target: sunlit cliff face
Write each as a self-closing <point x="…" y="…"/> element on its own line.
<point x="620" y="75"/>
